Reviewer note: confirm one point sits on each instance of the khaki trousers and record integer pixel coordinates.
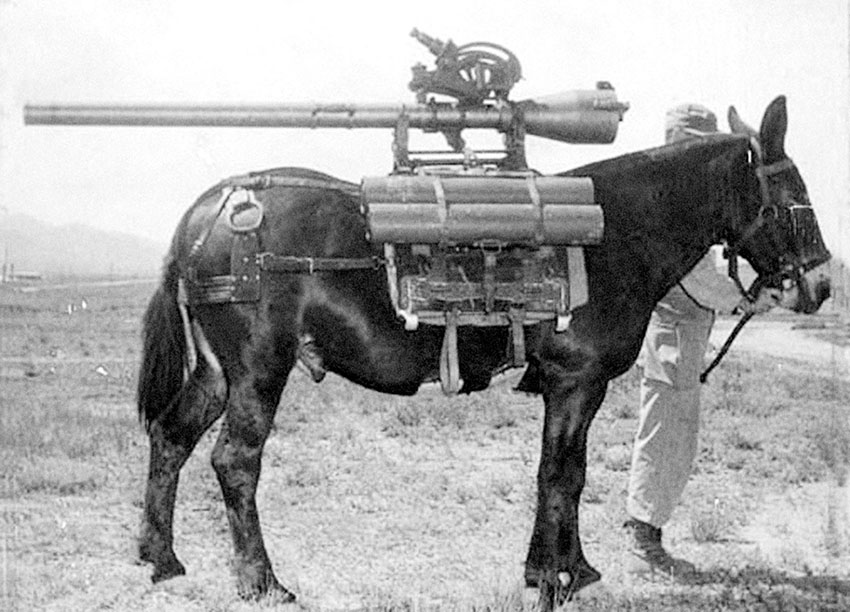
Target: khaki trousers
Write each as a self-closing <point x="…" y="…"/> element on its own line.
<point x="666" y="440"/>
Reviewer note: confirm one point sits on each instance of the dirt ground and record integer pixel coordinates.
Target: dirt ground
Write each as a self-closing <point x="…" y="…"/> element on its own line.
<point x="785" y="521"/>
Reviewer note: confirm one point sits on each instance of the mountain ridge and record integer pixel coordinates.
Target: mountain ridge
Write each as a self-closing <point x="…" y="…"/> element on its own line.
<point x="76" y="249"/>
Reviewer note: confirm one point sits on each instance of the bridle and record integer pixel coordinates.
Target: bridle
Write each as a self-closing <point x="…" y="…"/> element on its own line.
<point x="769" y="215"/>
<point x="796" y="263"/>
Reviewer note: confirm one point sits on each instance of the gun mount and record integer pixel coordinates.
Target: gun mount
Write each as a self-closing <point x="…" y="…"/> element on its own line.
<point x="478" y="75"/>
<point x="471" y="73"/>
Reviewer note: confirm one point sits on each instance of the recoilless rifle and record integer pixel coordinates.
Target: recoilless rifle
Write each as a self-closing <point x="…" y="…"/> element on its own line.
<point x="479" y="76"/>
<point x="469" y="237"/>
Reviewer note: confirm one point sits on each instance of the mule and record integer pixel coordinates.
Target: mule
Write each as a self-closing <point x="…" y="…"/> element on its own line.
<point x="663" y="208"/>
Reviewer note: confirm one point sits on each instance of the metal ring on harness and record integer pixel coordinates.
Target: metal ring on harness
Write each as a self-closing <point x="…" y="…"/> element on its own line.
<point x="241" y="208"/>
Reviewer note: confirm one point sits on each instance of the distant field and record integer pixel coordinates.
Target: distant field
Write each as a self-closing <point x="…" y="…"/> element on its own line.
<point x="372" y="502"/>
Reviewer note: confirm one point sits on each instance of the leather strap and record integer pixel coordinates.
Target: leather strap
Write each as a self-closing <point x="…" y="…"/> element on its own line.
<point x="517" y="317"/>
<point x="269" y="262"/>
<point x="449" y="365"/>
<point x="267" y="181"/>
<point x="230" y="288"/>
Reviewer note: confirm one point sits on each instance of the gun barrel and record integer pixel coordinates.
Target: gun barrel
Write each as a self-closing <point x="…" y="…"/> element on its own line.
<point x="580" y="116"/>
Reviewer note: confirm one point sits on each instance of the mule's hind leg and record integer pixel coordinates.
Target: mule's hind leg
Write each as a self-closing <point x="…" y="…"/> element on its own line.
<point x="236" y="459"/>
<point x="173" y="436"/>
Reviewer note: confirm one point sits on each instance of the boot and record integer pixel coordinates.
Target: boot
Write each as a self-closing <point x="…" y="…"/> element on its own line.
<point x="648" y="555"/>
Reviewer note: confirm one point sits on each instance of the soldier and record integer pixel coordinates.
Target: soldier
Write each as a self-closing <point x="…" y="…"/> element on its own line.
<point x="674" y="347"/>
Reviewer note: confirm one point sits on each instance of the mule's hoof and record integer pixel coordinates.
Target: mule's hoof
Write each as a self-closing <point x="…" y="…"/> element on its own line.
<point x="585" y="576"/>
<point x="276" y="595"/>
<point x="268" y="589"/>
<point x="562" y="586"/>
<point x="165" y="564"/>
<point x="280" y="595"/>
<point x="164" y="571"/>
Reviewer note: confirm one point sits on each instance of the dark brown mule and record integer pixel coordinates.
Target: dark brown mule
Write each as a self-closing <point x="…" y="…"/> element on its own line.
<point x="663" y="209"/>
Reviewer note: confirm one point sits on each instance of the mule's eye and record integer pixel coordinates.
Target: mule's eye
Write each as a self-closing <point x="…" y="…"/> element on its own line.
<point x="768" y="212"/>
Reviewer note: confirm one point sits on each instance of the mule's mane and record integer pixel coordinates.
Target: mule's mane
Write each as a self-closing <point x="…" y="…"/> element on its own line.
<point x="704" y="148"/>
<point x="664" y="207"/>
<point x="700" y="181"/>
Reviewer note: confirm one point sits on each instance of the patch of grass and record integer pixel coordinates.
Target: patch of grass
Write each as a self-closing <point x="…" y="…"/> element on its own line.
<point x="434" y="412"/>
<point x="594" y="491"/>
<point x="57" y="476"/>
<point x="502" y="598"/>
<point x="504" y="418"/>
<point x="465" y="493"/>
<point x="831" y="437"/>
<point x="833" y="539"/>
<point x="306" y="476"/>
<point x="742" y="440"/>
<point x="711" y="524"/>
<point x="622" y="398"/>
<point x="618" y="458"/>
<point x="815" y="388"/>
<point x="750" y="425"/>
<point x="30" y="428"/>
<point x="502" y="487"/>
<point x="400" y="503"/>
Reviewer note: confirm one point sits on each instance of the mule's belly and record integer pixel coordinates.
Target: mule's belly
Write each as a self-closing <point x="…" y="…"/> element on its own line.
<point x="356" y="334"/>
<point x="378" y="353"/>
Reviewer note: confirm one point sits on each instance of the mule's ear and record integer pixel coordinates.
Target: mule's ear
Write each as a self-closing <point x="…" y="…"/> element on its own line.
<point x="773" y="128"/>
<point x="737" y="125"/>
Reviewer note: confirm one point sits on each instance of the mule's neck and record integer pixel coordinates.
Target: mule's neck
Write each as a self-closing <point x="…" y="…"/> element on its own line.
<point x="665" y="207"/>
<point x="701" y="185"/>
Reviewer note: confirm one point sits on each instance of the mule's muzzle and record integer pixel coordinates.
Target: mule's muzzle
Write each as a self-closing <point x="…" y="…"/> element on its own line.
<point x="809" y="290"/>
<point x="823" y="290"/>
<point x="818" y="289"/>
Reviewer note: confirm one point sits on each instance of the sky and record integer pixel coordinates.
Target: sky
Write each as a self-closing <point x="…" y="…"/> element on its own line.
<point x="656" y="53"/>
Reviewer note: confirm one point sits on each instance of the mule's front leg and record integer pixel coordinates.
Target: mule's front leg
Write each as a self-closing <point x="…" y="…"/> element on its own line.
<point x="556" y="563"/>
<point x="236" y="459"/>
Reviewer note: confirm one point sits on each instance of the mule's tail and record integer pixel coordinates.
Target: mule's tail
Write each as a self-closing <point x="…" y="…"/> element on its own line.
<point x="163" y="349"/>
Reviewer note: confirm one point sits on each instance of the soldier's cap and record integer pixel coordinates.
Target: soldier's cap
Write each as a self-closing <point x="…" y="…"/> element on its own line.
<point x="687" y="120"/>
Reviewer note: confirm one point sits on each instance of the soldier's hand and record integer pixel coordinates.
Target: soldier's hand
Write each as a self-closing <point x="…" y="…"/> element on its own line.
<point x="766" y="299"/>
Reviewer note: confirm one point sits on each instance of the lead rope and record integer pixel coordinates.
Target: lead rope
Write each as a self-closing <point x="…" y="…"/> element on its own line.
<point x="726" y="346"/>
<point x="749" y="294"/>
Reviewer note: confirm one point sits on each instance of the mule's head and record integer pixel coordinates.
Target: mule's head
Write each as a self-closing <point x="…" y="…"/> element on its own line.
<point x="777" y="231"/>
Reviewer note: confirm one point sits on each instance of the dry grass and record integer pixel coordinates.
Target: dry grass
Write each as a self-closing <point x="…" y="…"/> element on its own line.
<point x="372" y="502"/>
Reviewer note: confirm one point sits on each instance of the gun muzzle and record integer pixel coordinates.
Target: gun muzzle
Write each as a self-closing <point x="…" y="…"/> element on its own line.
<point x="577" y="116"/>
